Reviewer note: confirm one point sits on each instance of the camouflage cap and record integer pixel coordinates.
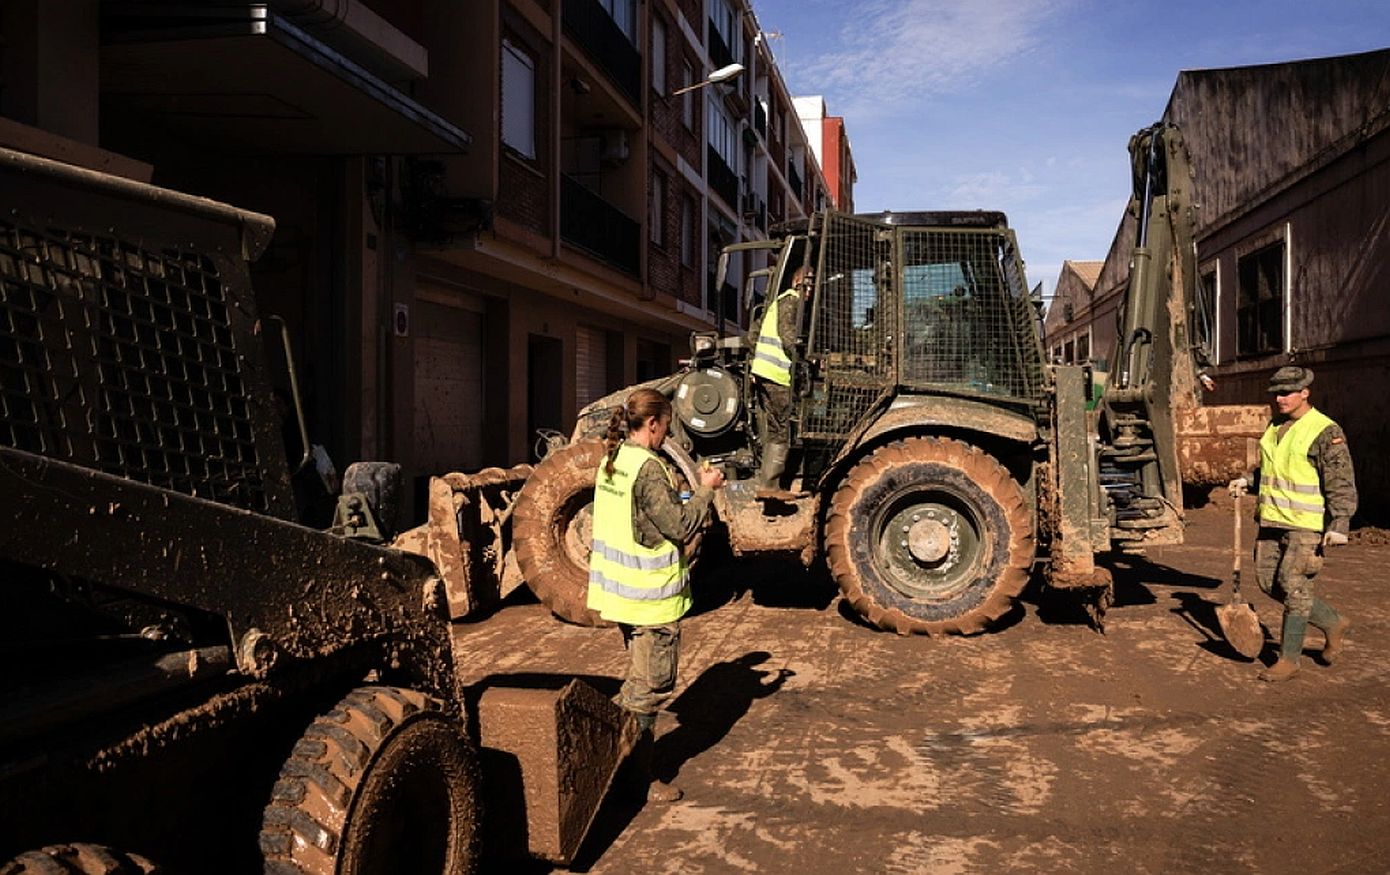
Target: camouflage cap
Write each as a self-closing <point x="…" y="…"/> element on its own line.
<point x="1290" y="378"/>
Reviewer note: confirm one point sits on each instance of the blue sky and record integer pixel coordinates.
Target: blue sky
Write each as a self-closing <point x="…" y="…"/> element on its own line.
<point x="1026" y="106"/>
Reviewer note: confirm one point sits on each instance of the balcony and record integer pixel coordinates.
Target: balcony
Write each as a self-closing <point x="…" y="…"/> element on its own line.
<point x="720" y="55"/>
<point x="760" y="118"/>
<point x="592" y="224"/>
<point x="794" y="182"/>
<point x="722" y="178"/>
<point x="590" y="25"/>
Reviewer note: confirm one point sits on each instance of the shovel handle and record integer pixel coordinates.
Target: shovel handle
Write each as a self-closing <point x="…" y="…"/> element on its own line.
<point x="1235" y="550"/>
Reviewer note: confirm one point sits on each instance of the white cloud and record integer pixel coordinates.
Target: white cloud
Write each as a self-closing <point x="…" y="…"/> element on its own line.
<point x="897" y="50"/>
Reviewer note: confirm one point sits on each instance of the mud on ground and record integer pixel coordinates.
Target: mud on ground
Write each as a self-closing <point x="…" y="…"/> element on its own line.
<point x="806" y="742"/>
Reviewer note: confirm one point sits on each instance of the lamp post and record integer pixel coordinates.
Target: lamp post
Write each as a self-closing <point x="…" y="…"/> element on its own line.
<point x="723" y="74"/>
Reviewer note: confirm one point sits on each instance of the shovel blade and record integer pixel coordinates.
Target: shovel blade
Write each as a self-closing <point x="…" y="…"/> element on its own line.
<point x="1241" y="626"/>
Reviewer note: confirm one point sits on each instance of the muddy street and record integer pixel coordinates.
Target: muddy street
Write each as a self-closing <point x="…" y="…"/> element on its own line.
<point x="806" y="742"/>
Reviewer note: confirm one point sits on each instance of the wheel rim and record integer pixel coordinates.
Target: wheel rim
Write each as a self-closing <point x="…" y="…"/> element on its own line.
<point x="930" y="543"/>
<point x="578" y="527"/>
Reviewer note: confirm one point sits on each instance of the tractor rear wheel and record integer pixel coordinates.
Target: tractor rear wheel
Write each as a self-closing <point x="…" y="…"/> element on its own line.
<point x="929" y="535"/>
<point x="384" y="782"/>
<point x="552" y="527"/>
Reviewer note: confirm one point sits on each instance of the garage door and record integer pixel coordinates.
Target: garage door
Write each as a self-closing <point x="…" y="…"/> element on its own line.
<point x="448" y="386"/>
<point x="590" y="364"/>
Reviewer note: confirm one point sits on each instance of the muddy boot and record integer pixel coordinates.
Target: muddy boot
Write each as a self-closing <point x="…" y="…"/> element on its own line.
<point x="1336" y="633"/>
<point x="643" y="757"/>
<point x="1290" y="646"/>
<point x="770" y="474"/>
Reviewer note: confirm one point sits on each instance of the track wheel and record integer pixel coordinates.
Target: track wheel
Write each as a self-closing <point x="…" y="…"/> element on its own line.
<point x="384" y="782"/>
<point x="78" y="859"/>
<point x="552" y="528"/>
<point x="929" y="535"/>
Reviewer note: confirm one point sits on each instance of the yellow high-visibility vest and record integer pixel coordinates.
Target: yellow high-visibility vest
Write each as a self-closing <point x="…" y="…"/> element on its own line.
<point x="628" y="582"/>
<point x="770" y="360"/>
<point x="1290" y="494"/>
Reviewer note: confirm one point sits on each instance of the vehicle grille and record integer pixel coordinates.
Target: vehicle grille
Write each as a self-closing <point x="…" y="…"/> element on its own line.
<point x="122" y="359"/>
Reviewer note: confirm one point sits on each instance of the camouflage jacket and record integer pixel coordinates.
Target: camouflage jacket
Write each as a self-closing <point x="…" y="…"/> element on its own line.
<point x="1331" y="457"/>
<point x="661" y="515"/>
<point x="787" y="318"/>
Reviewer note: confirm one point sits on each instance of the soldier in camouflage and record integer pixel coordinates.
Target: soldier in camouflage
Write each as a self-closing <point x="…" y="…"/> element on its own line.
<point x="638" y="575"/>
<point x="1307" y="495"/>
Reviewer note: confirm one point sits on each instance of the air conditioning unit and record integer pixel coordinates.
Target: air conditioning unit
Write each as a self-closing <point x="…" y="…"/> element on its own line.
<point x="613" y="149"/>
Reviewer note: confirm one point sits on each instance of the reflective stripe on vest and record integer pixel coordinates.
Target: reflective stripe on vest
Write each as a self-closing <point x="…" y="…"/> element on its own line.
<point x="629" y="582"/>
<point x="1290" y="494"/>
<point x="770" y="360"/>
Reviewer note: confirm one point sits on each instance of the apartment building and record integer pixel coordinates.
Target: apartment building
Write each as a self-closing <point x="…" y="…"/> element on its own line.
<point x="488" y="213"/>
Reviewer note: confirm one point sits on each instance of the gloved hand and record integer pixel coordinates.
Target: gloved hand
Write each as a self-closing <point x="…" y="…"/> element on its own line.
<point x="1333" y="539"/>
<point x="1238" y="486"/>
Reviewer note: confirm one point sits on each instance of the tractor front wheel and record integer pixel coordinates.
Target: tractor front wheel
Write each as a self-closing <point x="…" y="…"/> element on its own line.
<point x="929" y="535"/>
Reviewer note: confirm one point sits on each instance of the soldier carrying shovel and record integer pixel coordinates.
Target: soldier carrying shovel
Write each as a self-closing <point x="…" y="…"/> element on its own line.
<point x="1307" y="495"/>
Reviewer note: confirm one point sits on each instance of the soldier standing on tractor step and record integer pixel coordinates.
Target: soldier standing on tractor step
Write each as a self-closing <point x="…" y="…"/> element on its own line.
<point x="638" y="576"/>
<point x="1307" y="495"/>
<point x="772" y="372"/>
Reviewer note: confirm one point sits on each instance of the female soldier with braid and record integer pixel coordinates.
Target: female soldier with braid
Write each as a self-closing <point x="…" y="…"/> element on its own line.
<point x="637" y="570"/>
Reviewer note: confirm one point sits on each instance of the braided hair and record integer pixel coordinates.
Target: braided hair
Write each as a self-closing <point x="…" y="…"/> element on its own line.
<point x="628" y="417"/>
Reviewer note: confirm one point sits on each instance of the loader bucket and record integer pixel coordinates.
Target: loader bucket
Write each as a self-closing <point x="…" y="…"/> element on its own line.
<point x="549" y="758"/>
<point x="468" y="536"/>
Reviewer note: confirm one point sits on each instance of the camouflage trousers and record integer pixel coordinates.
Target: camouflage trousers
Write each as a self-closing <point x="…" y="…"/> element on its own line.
<point x="1286" y="562"/>
<point x="776" y="402"/>
<point x="651" y="674"/>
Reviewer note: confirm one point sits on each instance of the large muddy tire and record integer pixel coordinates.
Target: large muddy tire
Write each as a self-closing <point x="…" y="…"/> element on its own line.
<point x="930" y="536"/>
<point x="78" y="859"/>
<point x="552" y="527"/>
<point x="385" y="782"/>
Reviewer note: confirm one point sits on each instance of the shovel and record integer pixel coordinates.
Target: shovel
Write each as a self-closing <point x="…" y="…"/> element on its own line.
<point x="1237" y="618"/>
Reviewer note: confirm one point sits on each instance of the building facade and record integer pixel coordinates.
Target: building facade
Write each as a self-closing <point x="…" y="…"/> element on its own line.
<point x="1291" y="167"/>
<point x="830" y="143"/>
<point x="1068" y="326"/>
<point x="488" y="213"/>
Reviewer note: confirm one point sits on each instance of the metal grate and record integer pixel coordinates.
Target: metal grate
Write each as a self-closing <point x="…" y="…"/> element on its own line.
<point x="854" y="312"/>
<point x="967" y="322"/>
<point x="122" y="359"/>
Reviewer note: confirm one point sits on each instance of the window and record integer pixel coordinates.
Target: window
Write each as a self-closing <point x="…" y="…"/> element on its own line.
<point x="1204" y="331"/>
<point x="725" y="23"/>
<point x="688" y="98"/>
<point x="518" y="100"/>
<point x="656" y="211"/>
<point x="624" y="13"/>
<point x="1260" y="302"/>
<point x="1083" y="348"/>
<point x="721" y="133"/>
<point x="658" y="56"/>
<point x="687" y="231"/>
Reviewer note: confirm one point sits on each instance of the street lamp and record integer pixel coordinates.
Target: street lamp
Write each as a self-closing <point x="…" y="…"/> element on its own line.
<point x="723" y="74"/>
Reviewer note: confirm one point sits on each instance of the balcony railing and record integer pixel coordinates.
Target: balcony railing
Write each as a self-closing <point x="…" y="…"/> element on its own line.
<point x="722" y="178"/>
<point x="606" y="45"/>
<point x="596" y="226"/>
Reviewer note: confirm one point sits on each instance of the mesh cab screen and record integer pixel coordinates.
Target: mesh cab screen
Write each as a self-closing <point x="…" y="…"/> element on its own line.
<point x="967" y="322"/>
<point x="123" y="359"/>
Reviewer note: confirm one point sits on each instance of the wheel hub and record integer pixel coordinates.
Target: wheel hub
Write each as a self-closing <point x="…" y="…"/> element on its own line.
<point x="928" y="540"/>
<point x="929" y="546"/>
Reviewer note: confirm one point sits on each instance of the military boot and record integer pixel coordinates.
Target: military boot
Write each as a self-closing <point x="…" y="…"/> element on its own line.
<point x="644" y="758"/>
<point x="770" y="473"/>
<point x="1290" y="647"/>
